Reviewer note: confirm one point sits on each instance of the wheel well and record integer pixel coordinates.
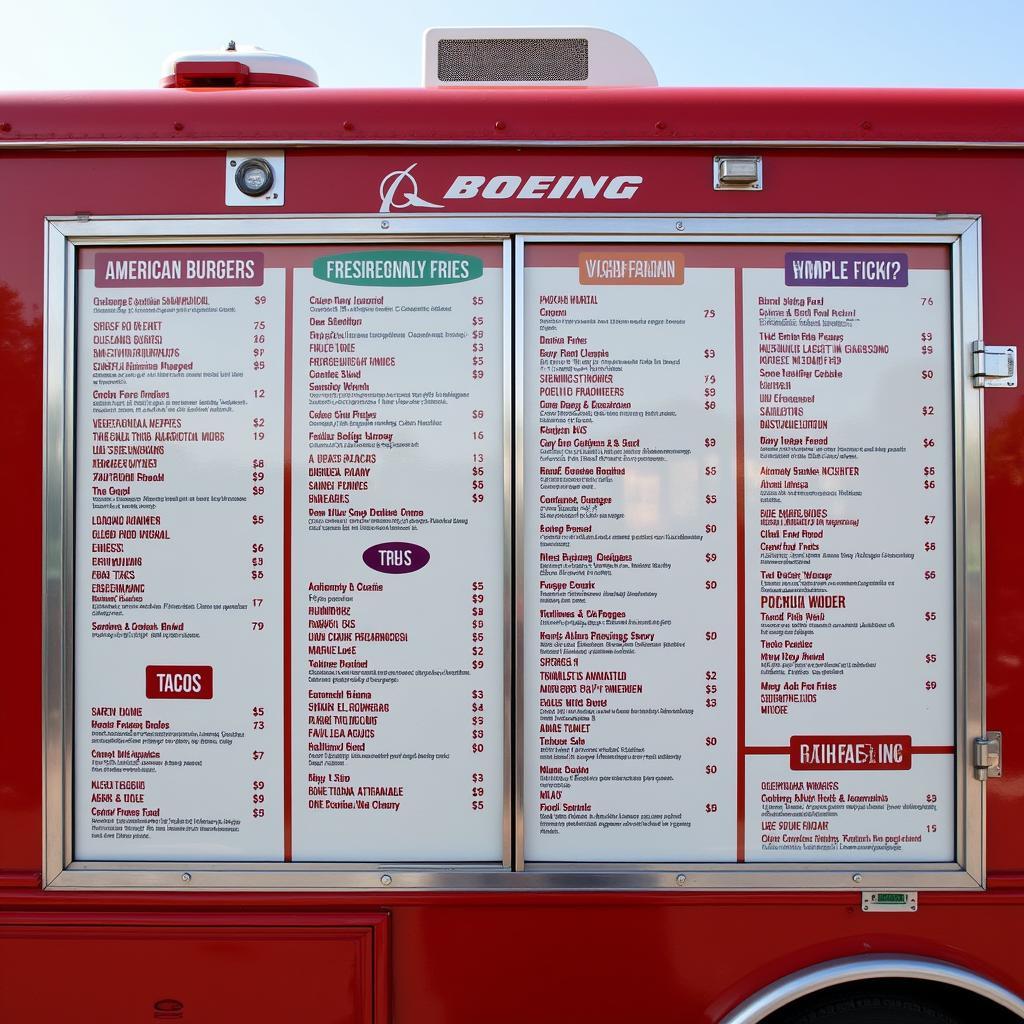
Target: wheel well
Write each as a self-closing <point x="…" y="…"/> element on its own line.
<point x="966" y="1006"/>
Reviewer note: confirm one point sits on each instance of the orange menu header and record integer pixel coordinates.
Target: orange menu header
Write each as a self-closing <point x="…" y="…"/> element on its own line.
<point x="633" y="267"/>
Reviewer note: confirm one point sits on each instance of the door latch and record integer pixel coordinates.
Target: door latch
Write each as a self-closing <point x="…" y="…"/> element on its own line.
<point x="988" y="756"/>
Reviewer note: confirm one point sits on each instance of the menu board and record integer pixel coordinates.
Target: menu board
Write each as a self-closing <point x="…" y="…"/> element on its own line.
<point x="738" y="568"/>
<point x="289" y="554"/>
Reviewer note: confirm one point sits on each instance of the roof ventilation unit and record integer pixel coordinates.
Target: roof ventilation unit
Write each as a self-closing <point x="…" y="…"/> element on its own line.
<point x="235" y="67"/>
<point x="532" y="56"/>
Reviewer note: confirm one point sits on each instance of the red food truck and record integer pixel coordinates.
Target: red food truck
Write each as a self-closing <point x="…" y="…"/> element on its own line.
<point x="536" y="547"/>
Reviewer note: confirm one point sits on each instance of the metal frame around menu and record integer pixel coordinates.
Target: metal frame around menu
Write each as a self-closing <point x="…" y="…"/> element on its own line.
<point x="65" y="234"/>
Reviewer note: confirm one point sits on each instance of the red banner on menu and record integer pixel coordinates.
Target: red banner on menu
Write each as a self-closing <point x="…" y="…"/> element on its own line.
<point x="850" y="753"/>
<point x="179" y="682"/>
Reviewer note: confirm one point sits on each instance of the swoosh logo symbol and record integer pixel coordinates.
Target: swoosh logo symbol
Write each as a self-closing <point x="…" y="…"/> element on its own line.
<point x="391" y="183"/>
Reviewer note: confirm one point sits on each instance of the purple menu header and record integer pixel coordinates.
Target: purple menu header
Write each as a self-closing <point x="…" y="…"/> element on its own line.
<point x="848" y="269"/>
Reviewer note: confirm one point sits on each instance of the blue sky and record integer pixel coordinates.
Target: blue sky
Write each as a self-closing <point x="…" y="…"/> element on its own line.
<point x="115" y="44"/>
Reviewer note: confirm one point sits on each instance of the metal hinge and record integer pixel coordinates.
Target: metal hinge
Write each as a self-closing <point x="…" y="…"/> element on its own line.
<point x="995" y="366"/>
<point x="988" y="756"/>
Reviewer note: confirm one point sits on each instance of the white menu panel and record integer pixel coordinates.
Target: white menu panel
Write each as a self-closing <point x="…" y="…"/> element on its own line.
<point x="630" y="556"/>
<point x="398" y="556"/>
<point x="850" y="560"/>
<point x="818" y="724"/>
<point x="737" y="571"/>
<point x="290" y="555"/>
<point x="178" y="627"/>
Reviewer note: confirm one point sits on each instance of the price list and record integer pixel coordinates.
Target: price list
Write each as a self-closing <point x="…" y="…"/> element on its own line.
<point x="398" y="556"/>
<point x="630" y="556"/>
<point x="178" y="611"/>
<point x="739" y="554"/>
<point x="290" y="555"/>
<point x="737" y="568"/>
<point x="849" y="547"/>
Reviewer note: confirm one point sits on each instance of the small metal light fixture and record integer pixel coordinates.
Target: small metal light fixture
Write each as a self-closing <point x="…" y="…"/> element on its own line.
<point x="737" y="172"/>
<point x="254" y="177"/>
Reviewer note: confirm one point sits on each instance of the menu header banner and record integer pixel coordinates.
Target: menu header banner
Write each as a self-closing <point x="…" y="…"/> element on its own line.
<point x="634" y="267"/>
<point x="850" y="753"/>
<point x="399" y="268"/>
<point x="847" y="270"/>
<point x="179" y="682"/>
<point x="179" y="269"/>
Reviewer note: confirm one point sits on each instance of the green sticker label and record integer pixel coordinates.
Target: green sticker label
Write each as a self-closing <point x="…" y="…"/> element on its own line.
<point x="401" y="268"/>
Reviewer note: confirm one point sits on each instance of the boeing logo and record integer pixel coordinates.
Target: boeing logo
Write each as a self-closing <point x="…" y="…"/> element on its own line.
<point x="392" y="182"/>
<point x="507" y="186"/>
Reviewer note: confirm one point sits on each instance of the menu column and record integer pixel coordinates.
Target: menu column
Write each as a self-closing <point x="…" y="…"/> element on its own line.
<point x="630" y="556"/>
<point x="850" y="557"/>
<point x="178" y="639"/>
<point x="398" y="555"/>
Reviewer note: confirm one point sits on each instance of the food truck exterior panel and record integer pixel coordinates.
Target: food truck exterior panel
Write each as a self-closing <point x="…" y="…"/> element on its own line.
<point x="493" y="570"/>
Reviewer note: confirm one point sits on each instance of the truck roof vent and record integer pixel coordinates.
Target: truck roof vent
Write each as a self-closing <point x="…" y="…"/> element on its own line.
<point x="532" y="56"/>
<point x="235" y="67"/>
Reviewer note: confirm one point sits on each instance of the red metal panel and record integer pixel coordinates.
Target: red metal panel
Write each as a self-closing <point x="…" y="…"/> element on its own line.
<point x="457" y="957"/>
<point x="33" y="185"/>
<point x="688" y="962"/>
<point x="537" y="114"/>
<point x="601" y="958"/>
<point x="129" y="968"/>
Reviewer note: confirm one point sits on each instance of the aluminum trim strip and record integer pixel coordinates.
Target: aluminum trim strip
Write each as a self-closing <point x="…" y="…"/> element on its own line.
<point x="508" y="598"/>
<point x="821" y="227"/>
<point x="56" y="429"/>
<point x="520" y="341"/>
<point x="495" y="878"/>
<point x="968" y="326"/>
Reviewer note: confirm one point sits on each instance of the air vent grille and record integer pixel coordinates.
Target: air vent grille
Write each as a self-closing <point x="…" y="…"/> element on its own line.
<point x="512" y="60"/>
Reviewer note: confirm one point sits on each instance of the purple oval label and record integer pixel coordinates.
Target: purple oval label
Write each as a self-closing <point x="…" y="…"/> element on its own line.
<point x="396" y="556"/>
